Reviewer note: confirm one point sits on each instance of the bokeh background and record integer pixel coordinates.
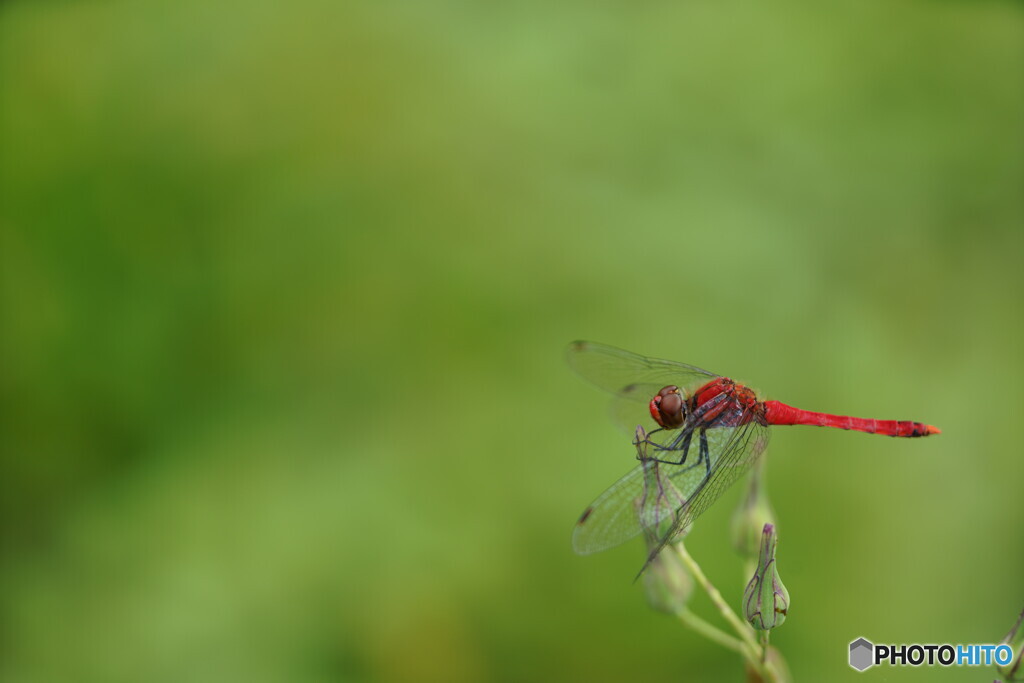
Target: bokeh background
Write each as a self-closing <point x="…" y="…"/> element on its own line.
<point x="286" y="289"/>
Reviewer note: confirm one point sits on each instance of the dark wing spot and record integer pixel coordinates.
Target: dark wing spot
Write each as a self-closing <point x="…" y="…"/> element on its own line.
<point x="583" y="517"/>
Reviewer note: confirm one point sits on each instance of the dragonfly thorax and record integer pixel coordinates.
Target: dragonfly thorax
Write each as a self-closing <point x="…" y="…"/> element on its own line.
<point x="668" y="408"/>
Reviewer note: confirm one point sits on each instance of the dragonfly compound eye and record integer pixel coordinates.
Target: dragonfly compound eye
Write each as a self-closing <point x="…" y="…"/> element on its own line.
<point x="667" y="408"/>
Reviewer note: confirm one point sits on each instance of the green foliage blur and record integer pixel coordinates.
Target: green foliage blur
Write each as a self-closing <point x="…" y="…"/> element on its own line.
<point x="286" y="289"/>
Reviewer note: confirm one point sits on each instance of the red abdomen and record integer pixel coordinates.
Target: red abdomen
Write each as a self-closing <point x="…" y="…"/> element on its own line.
<point x="780" y="414"/>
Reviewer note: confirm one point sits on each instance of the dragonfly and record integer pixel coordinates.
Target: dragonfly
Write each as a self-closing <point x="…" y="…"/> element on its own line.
<point x="700" y="432"/>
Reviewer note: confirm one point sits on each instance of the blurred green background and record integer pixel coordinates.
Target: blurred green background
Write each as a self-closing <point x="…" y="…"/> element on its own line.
<point x="286" y="289"/>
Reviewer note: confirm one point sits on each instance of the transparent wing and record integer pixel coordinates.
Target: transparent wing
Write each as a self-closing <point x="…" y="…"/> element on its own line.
<point x="617" y="371"/>
<point x="611" y="519"/>
<point x="645" y="497"/>
<point x="662" y="498"/>
<point x="732" y="452"/>
<point x="743" y="447"/>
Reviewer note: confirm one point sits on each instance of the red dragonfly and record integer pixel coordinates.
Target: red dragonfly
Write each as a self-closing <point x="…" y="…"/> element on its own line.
<point x="704" y="431"/>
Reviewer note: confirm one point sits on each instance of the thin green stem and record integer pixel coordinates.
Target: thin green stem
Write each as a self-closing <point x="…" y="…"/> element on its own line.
<point x="745" y="632"/>
<point x="709" y="631"/>
<point x="752" y="651"/>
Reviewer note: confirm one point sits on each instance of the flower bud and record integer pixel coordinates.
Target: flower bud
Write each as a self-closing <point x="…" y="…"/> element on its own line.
<point x="766" y="600"/>
<point x="668" y="582"/>
<point x="1014" y="671"/>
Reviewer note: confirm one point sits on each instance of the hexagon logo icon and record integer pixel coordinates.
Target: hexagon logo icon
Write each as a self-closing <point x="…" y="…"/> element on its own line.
<point x="862" y="654"/>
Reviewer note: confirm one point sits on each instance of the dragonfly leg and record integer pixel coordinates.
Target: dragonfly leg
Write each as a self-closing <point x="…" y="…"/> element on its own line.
<point x="680" y="444"/>
<point x="706" y="416"/>
<point x="643" y="442"/>
<point x="644" y="437"/>
<point x="705" y="453"/>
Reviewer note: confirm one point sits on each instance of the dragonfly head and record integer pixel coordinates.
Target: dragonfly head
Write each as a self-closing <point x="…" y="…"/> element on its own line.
<point x="668" y="408"/>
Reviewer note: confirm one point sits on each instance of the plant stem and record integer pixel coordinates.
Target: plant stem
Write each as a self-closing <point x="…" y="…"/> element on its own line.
<point x="708" y="631"/>
<point x="744" y="631"/>
<point x="750" y="648"/>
